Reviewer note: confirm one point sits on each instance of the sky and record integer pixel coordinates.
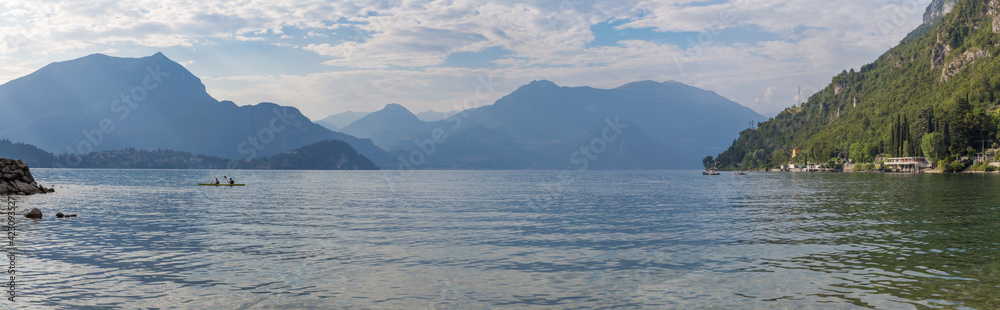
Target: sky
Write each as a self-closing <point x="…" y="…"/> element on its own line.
<point x="327" y="57"/>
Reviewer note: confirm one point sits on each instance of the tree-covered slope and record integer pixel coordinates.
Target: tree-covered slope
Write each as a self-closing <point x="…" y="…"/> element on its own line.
<point x="944" y="77"/>
<point x="31" y="155"/>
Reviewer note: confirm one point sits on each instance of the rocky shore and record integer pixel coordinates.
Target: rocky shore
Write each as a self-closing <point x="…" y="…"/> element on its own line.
<point x="16" y="179"/>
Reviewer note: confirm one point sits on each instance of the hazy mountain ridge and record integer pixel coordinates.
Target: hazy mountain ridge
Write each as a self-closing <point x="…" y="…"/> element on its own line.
<point x="391" y="117"/>
<point x="390" y="128"/>
<point x="323" y="155"/>
<point x="640" y="125"/>
<point x="100" y="102"/>
<point x="434" y="116"/>
<point x="544" y="126"/>
<point x="338" y="121"/>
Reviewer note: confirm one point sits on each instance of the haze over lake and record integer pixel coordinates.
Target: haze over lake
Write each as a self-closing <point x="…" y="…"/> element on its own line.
<point x="526" y="240"/>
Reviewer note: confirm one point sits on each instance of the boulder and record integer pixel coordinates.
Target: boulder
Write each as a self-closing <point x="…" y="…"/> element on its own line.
<point x="17" y="179"/>
<point x="59" y="215"/>
<point x="7" y="188"/>
<point x="34" y="214"/>
<point x="27" y="188"/>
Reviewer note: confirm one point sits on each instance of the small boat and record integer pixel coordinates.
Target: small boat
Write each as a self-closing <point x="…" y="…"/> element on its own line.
<point x="222" y="184"/>
<point x="710" y="172"/>
<point x="739" y="173"/>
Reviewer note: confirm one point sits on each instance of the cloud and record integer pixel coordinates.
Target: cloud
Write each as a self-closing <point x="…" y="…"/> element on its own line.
<point x="379" y="51"/>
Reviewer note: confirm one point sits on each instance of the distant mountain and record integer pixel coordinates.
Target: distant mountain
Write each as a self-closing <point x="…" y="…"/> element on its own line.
<point x="387" y="127"/>
<point x="327" y="125"/>
<point x="31" y="155"/>
<point x="150" y="159"/>
<point x="100" y="103"/>
<point x="323" y="155"/>
<point x="433" y="116"/>
<point x="338" y="121"/>
<point x="641" y="125"/>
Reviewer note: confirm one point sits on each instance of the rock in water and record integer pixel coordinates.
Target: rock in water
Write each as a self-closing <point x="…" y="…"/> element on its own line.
<point x="34" y="214"/>
<point x="59" y="215"/>
<point x="16" y="179"/>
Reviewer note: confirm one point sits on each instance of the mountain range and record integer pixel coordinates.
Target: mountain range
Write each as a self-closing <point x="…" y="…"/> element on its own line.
<point x="544" y="126"/>
<point x="340" y="120"/>
<point x="98" y="103"/>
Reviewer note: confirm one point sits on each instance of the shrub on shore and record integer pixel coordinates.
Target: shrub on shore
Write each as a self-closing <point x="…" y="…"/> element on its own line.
<point x="864" y="167"/>
<point x="982" y="167"/>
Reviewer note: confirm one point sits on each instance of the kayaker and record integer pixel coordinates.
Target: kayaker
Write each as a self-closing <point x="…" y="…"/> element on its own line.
<point x="216" y="181"/>
<point x="231" y="181"/>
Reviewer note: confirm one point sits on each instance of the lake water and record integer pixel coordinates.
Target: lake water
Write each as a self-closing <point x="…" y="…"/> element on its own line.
<point x="513" y="240"/>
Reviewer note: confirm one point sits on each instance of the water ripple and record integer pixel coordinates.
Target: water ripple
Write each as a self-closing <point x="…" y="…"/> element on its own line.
<point x="486" y="239"/>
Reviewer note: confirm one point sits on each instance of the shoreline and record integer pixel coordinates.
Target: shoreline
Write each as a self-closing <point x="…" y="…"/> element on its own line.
<point x="933" y="171"/>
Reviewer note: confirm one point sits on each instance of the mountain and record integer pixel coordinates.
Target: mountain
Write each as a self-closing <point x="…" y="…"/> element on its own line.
<point x="100" y="103"/>
<point x="935" y="94"/>
<point x="323" y="155"/>
<point x="387" y="127"/>
<point x="31" y="155"/>
<point x="337" y="121"/>
<point x="433" y="116"/>
<point x="641" y="125"/>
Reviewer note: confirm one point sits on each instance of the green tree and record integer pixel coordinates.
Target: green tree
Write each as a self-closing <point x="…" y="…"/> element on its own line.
<point x="962" y="125"/>
<point x="933" y="146"/>
<point x="709" y="162"/>
<point x="857" y="152"/>
<point x="780" y="157"/>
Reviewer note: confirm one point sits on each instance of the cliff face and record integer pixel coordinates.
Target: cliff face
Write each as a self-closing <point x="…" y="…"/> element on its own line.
<point x="937" y="9"/>
<point x="16" y="179"/>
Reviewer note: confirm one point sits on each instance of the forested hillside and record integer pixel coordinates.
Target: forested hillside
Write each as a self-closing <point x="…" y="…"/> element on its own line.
<point x="944" y="78"/>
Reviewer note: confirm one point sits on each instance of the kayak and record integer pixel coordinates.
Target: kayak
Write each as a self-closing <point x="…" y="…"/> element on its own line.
<point x="224" y="184"/>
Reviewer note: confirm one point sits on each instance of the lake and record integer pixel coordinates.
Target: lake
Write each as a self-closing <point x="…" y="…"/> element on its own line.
<point x="508" y="239"/>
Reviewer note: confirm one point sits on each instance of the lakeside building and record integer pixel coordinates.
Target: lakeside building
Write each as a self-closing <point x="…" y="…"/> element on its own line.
<point x="807" y="168"/>
<point x="908" y="164"/>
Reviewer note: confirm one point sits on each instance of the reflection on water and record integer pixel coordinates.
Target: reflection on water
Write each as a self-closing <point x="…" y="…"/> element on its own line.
<point x="444" y="239"/>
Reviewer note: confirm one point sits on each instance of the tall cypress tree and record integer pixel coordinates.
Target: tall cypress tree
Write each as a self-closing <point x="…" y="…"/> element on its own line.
<point x="898" y="148"/>
<point x="930" y="121"/>
<point x="907" y="144"/>
<point x="947" y="134"/>
<point x="895" y="137"/>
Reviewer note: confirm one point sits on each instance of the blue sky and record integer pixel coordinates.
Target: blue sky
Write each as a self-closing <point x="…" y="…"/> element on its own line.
<point x="326" y="57"/>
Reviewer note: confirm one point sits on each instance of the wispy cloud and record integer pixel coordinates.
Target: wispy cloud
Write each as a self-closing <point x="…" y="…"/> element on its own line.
<point x="368" y="52"/>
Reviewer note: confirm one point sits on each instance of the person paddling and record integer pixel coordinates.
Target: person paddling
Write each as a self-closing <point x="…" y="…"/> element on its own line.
<point x="231" y="181"/>
<point x="216" y="181"/>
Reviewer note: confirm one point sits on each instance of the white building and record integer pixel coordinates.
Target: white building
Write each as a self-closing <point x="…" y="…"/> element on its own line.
<point x="908" y="163"/>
